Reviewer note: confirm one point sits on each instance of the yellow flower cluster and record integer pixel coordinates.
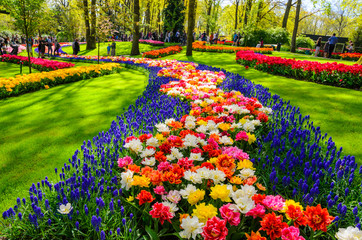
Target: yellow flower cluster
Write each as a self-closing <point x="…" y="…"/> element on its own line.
<point x="10" y="83"/>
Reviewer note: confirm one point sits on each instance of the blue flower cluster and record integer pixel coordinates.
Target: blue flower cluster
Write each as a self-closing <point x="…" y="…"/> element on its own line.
<point x="89" y="182"/>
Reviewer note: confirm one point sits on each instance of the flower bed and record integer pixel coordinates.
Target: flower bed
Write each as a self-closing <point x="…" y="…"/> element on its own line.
<point x="288" y="154"/>
<point x="335" y="74"/>
<point x="162" y="52"/>
<point x="351" y="56"/>
<point x="152" y="42"/>
<point x="32" y="82"/>
<point x="200" y="46"/>
<point x="225" y="42"/>
<point x="20" y="49"/>
<point x="308" y="51"/>
<point x="37" y="63"/>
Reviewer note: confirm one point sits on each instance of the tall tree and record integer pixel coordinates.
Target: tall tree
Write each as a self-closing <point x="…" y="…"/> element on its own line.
<point x="190" y="27"/>
<point x="26" y="14"/>
<point x="136" y="28"/>
<point x="237" y="2"/>
<point x="174" y="16"/>
<point x="92" y="38"/>
<point x="248" y="5"/>
<point x="208" y="4"/>
<point x="87" y="22"/>
<point x="296" y="24"/>
<point x="286" y="14"/>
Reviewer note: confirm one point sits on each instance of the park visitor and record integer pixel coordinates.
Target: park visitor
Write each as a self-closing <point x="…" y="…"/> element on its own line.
<point x="57" y="47"/>
<point x="318" y="46"/>
<point x="29" y="48"/>
<point x="108" y="49"/>
<point x="76" y="47"/>
<point x="332" y="43"/>
<point x="326" y="49"/>
<point x="113" y="48"/>
<point x="50" y="46"/>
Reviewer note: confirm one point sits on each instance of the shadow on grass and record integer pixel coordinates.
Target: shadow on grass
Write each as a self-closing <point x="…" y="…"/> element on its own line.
<point x="40" y="131"/>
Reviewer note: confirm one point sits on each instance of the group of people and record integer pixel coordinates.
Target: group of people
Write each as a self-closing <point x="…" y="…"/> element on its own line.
<point x="111" y="48"/>
<point x="44" y="43"/>
<point x="329" y="46"/>
<point x="212" y="39"/>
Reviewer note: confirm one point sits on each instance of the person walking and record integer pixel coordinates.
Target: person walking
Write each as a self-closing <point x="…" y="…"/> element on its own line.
<point x="113" y="48"/>
<point x="57" y="47"/>
<point x="50" y="46"/>
<point x="76" y="47"/>
<point x="29" y="47"/>
<point x="326" y="49"/>
<point x="332" y="43"/>
<point x="108" y="49"/>
<point x="318" y="46"/>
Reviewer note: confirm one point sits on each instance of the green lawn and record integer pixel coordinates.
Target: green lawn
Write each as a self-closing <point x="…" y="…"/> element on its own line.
<point x="11" y="70"/>
<point x="122" y="48"/>
<point x="337" y="111"/>
<point x="41" y="130"/>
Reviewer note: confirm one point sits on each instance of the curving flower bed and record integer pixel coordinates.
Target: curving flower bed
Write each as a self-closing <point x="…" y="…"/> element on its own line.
<point x="335" y="74"/>
<point x="225" y="42"/>
<point x="200" y="46"/>
<point x="192" y="156"/>
<point x="162" y="52"/>
<point x="32" y="82"/>
<point x="37" y="63"/>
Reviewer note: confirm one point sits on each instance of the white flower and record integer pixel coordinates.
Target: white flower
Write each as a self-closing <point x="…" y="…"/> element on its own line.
<point x="190" y="118"/>
<point x="190" y="125"/>
<point x="127" y="179"/>
<point x="248" y="190"/>
<point x="152" y="142"/>
<point x="173" y="206"/>
<point x="246" y="173"/>
<point x="147" y="152"/>
<point x="190" y="141"/>
<point x="187" y="191"/>
<point x="65" y="209"/>
<point x="149" y="161"/>
<point x="350" y="233"/>
<point x="161" y="127"/>
<point x="244" y="204"/>
<point x="226" y="140"/>
<point x="266" y="110"/>
<point x="204" y="173"/>
<point x="211" y="125"/>
<point x="169" y="121"/>
<point x="202" y="141"/>
<point x="175" y="154"/>
<point x="191" y="227"/>
<point x="173" y="196"/>
<point x="196" y="157"/>
<point x="217" y="176"/>
<point x="256" y="122"/>
<point x="201" y="129"/>
<point x="192" y="177"/>
<point x="134" y="145"/>
<point x="249" y="127"/>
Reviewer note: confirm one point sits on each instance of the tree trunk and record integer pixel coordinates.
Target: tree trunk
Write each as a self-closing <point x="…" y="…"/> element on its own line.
<point x="190" y="27"/>
<point x="87" y="24"/>
<point x="136" y="28"/>
<point x="27" y="36"/>
<point x="236" y="13"/>
<point x="296" y="23"/>
<point x="92" y="38"/>
<point x="248" y="5"/>
<point x="209" y="8"/>
<point x="286" y="14"/>
<point x="148" y="17"/>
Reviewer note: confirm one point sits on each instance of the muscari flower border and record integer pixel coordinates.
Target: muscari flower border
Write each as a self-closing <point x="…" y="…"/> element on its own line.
<point x="294" y="160"/>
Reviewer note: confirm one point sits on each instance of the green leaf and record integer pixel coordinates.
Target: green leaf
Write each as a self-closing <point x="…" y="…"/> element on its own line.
<point x="151" y="233"/>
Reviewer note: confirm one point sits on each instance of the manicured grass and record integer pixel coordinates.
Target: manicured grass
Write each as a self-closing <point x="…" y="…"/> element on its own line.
<point x="300" y="56"/>
<point x="122" y="48"/>
<point x="337" y="111"/>
<point x="11" y="70"/>
<point x="40" y="131"/>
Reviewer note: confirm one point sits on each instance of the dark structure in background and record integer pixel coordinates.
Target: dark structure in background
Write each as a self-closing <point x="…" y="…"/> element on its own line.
<point x="340" y="46"/>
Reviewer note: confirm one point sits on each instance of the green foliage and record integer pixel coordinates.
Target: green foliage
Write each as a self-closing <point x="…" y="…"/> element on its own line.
<point x="304" y="42"/>
<point x="357" y="37"/>
<point x="271" y="35"/>
<point x="174" y="15"/>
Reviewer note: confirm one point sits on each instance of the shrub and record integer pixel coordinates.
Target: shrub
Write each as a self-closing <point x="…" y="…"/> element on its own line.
<point x="304" y="42"/>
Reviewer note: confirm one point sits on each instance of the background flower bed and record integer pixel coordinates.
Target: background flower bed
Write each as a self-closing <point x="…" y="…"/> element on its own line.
<point x="35" y="81"/>
<point x="200" y="46"/>
<point x="336" y="74"/>
<point x="162" y="52"/>
<point x="293" y="145"/>
<point x="152" y="42"/>
<point x="37" y="63"/>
